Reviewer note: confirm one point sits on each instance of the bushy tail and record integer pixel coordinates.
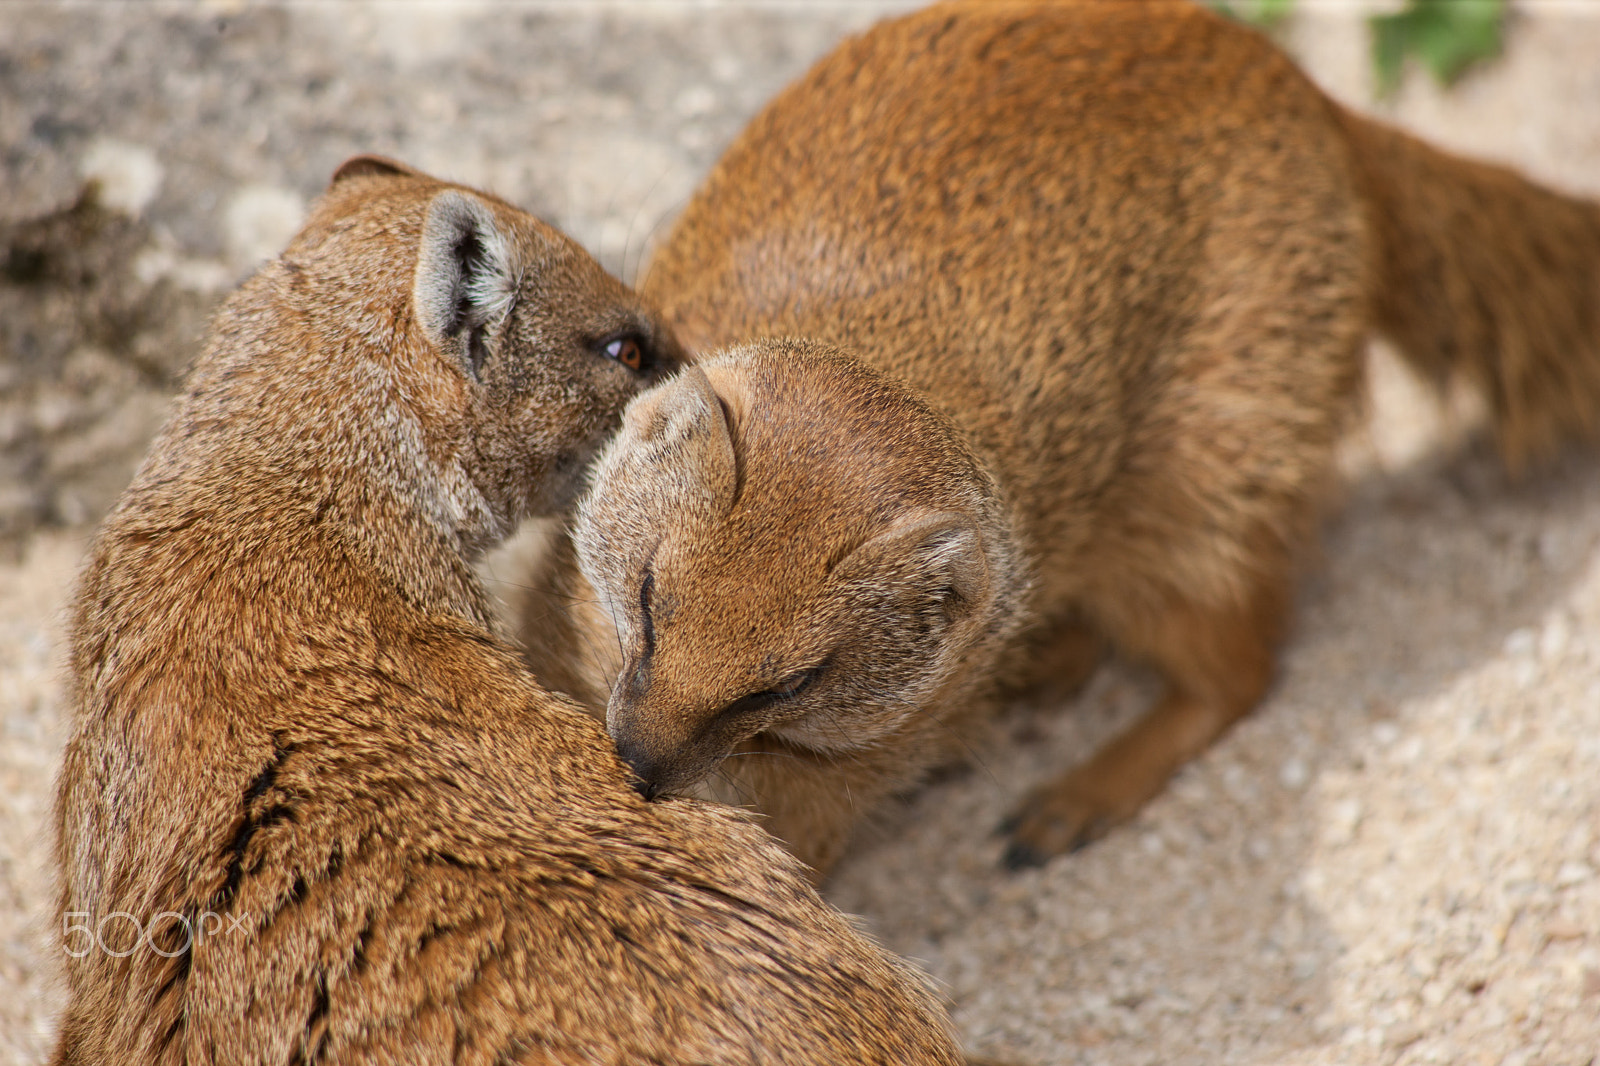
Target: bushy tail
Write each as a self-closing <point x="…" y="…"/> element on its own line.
<point x="1484" y="274"/>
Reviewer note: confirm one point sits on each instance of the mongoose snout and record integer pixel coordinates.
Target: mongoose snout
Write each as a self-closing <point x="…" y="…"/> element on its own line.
<point x="670" y="751"/>
<point x="657" y="769"/>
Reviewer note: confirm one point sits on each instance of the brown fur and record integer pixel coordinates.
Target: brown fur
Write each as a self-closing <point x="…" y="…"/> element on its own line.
<point x="1129" y="255"/>
<point x="291" y="711"/>
<point x="561" y="629"/>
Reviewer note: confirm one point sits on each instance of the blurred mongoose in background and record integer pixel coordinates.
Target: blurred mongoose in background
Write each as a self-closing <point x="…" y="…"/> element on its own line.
<point x="314" y="809"/>
<point x="1075" y="298"/>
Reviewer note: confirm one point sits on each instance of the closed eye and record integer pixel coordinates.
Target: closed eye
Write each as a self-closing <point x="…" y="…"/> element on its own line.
<point x="645" y="589"/>
<point x="786" y="690"/>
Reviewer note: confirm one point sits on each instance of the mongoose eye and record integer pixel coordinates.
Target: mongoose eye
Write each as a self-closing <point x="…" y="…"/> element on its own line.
<point x="794" y="685"/>
<point x="787" y="690"/>
<point x="627" y="351"/>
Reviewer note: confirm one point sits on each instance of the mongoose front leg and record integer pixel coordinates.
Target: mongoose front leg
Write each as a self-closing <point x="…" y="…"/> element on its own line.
<point x="1081" y="806"/>
<point x="1219" y="664"/>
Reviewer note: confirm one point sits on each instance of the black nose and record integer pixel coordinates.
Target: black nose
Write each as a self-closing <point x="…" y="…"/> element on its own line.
<point x="646" y="775"/>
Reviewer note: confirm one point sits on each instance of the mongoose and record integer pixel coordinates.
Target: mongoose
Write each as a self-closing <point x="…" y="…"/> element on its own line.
<point x="1076" y="296"/>
<point x="314" y="809"/>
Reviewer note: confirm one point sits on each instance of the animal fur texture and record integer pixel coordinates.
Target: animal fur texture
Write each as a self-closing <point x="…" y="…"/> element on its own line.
<point x="314" y="809"/>
<point x="1027" y="326"/>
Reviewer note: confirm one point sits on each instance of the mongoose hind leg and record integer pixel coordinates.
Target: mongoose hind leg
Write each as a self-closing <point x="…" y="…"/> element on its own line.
<point x="1218" y="663"/>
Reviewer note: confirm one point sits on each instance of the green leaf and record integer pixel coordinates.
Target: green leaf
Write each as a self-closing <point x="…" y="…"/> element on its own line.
<point x="1263" y="13"/>
<point x="1447" y="35"/>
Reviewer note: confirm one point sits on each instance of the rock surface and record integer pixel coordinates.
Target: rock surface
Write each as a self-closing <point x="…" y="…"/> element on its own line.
<point x="1397" y="859"/>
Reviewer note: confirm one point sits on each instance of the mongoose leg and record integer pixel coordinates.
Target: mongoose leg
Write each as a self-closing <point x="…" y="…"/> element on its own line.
<point x="1218" y="664"/>
<point x="1085" y="803"/>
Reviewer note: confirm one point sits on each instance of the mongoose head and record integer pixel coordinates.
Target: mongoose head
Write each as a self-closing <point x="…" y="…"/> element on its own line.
<point x="501" y="351"/>
<point x="791" y="545"/>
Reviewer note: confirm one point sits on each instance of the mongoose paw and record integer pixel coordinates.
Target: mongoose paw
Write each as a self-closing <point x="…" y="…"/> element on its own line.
<point x="1053" y="821"/>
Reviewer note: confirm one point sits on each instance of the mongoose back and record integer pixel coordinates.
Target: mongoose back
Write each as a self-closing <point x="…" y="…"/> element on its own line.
<point x="314" y="809"/>
<point x="1076" y="297"/>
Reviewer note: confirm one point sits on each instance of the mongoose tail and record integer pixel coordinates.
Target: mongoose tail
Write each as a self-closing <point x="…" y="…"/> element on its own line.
<point x="1483" y="274"/>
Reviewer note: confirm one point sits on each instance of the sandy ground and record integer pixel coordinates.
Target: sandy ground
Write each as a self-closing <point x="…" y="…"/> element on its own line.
<point x="1396" y="860"/>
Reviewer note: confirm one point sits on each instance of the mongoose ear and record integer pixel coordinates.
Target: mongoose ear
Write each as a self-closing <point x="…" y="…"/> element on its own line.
<point x="937" y="552"/>
<point x="358" y="166"/>
<point x="465" y="281"/>
<point x="681" y="428"/>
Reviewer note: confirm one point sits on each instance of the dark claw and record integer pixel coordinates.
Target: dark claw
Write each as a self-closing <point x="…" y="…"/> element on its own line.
<point x="647" y="789"/>
<point x="1019" y="856"/>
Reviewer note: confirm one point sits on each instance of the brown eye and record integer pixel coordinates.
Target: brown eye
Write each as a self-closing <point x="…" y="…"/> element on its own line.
<point x="626" y="351"/>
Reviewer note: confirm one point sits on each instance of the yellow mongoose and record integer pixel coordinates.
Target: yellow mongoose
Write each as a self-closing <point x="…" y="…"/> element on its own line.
<point x="314" y="809"/>
<point x="1084" y="289"/>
